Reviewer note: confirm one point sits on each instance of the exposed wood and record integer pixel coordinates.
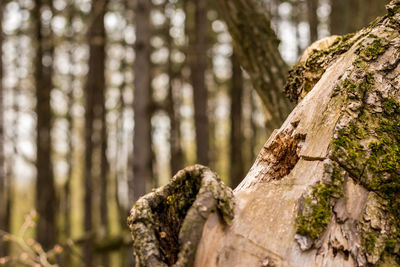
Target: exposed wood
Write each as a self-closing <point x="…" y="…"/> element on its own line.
<point x="324" y="189"/>
<point x="273" y="224"/>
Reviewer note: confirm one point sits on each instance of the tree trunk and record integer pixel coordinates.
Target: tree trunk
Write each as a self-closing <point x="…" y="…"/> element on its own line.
<point x="312" y="6"/>
<point x="348" y="16"/>
<point x="3" y="190"/>
<point x="236" y="138"/>
<point x="142" y="151"/>
<point x="176" y="152"/>
<point x="45" y="189"/>
<point x="94" y="112"/>
<point x="256" y="46"/>
<point x="324" y="189"/>
<point x="198" y="66"/>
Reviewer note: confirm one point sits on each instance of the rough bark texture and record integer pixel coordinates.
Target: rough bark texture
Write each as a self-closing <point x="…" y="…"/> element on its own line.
<point x="94" y="117"/>
<point x="166" y="224"/>
<point x="45" y="190"/>
<point x="324" y="189"/>
<point x="334" y="202"/>
<point x="256" y="46"/>
<point x="142" y="152"/>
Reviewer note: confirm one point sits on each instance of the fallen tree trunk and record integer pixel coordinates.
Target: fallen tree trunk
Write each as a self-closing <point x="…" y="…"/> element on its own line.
<point x="325" y="189"/>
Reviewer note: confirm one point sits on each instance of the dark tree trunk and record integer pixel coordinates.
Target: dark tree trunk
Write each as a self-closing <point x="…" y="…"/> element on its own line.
<point x="45" y="190"/>
<point x="198" y="66"/>
<point x="236" y="138"/>
<point x="176" y="161"/>
<point x="256" y="46"/>
<point x="312" y="6"/>
<point x="348" y="16"/>
<point x="338" y="17"/>
<point x="95" y="89"/>
<point x="142" y="151"/>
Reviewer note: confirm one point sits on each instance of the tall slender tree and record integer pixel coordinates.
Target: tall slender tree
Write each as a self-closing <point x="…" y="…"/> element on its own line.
<point x="312" y="6"/>
<point x="95" y="89"/>
<point x="236" y="139"/>
<point x="45" y="188"/>
<point x="142" y="151"/>
<point x="66" y="204"/>
<point x="176" y="161"/>
<point x="3" y="192"/>
<point x="198" y="66"/>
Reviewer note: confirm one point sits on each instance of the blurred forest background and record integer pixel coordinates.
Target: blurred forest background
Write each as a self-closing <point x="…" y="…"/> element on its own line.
<point x="101" y="101"/>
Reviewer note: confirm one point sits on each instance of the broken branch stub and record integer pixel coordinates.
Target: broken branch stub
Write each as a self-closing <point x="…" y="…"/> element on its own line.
<point x="166" y="224"/>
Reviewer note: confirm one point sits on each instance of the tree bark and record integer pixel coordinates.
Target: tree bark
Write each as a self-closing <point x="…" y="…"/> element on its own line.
<point x="198" y="65"/>
<point x="94" y="122"/>
<point x="256" y="46"/>
<point x="324" y="189"/>
<point x="142" y="151"/>
<point x="45" y="189"/>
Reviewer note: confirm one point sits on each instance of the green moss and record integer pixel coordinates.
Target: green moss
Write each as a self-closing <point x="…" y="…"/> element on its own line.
<point x="390" y="245"/>
<point x="316" y="209"/>
<point x="374" y="47"/>
<point x="369" y="242"/>
<point x="393" y="8"/>
<point x="304" y="75"/>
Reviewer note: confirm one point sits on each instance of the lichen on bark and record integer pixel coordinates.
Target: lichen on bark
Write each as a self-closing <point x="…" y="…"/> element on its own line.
<point x="166" y="224"/>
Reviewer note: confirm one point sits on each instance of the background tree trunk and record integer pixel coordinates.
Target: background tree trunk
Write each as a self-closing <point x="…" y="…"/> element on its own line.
<point x="256" y="46"/>
<point x="142" y="150"/>
<point x="94" y="123"/>
<point x="236" y="138"/>
<point x="45" y="190"/>
<point x="3" y="190"/>
<point x="176" y="153"/>
<point x="312" y="6"/>
<point x="198" y="66"/>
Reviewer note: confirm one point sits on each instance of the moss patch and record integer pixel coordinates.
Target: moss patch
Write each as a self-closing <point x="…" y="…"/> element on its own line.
<point x="304" y="75"/>
<point x="316" y="209"/>
<point x="167" y="224"/>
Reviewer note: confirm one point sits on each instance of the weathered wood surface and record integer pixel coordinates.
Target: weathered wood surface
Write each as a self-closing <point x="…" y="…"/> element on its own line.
<point x="333" y="132"/>
<point x="324" y="190"/>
